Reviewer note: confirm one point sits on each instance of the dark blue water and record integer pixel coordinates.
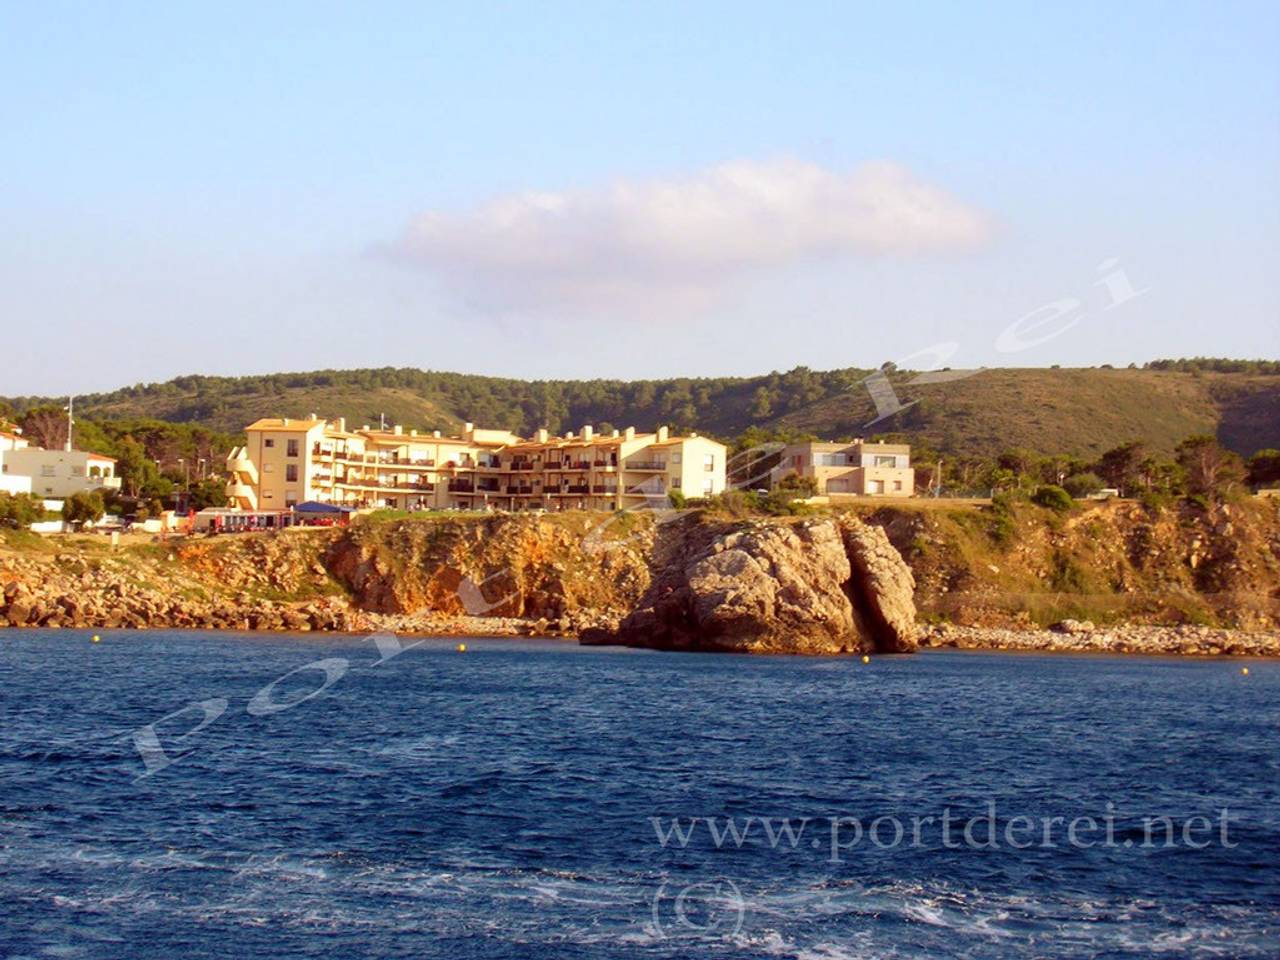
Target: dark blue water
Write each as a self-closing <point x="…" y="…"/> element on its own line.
<point x="500" y="803"/>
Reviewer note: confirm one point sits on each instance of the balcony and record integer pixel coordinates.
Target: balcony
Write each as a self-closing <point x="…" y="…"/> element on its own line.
<point x="520" y="491"/>
<point x="577" y="488"/>
<point x="461" y="486"/>
<point x="602" y="488"/>
<point x="521" y="465"/>
<point x="644" y="465"/>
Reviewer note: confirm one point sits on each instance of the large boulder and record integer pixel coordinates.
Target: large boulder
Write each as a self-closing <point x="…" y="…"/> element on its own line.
<point x="882" y="586"/>
<point x="814" y="586"/>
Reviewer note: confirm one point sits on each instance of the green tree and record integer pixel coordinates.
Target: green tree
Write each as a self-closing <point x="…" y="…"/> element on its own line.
<point x="81" y="508"/>
<point x="1121" y="467"/>
<point x="761" y="404"/>
<point x="1212" y="471"/>
<point x="139" y="475"/>
<point x="20" y="510"/>
<point x="208" y="493"/>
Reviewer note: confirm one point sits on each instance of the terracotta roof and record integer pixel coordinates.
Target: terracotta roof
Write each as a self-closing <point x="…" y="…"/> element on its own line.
<point x="277" y="423"/>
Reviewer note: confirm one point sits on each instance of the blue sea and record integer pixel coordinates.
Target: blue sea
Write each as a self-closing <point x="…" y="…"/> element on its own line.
<point x="171" y="794"/>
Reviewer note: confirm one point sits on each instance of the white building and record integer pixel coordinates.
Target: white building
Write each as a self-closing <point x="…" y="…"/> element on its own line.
<point x="58" y="474"/>
<point x="16" y="482"/>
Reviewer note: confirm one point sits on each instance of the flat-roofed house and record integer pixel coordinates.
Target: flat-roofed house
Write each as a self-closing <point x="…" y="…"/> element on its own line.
<point x="859" y="468"/>
<point x="57" y="474"/>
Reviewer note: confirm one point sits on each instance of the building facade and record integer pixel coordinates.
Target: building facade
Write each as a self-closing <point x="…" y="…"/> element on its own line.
<point x="58" y="474"/>
<point x="285" y="462"/>
<point x="859" y="468"/>
<point x="12" y="482"/>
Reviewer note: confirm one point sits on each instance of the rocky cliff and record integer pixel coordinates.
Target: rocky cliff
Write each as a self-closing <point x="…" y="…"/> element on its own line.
<point x="1181" y="578"/>
<point x="814" y="586"/>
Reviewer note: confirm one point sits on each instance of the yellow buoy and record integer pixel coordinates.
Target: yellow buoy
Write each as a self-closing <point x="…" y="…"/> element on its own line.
<point x="96" y="638"/>
<point x="1245" y="671"/>
<point x="865" y="658"/>
<point x="462" y="648"/>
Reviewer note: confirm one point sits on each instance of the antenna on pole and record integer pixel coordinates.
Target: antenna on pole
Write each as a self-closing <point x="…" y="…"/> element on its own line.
<point x="71" y="422"/>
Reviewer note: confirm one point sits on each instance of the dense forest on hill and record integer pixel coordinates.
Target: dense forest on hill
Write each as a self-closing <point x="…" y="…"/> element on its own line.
<point x="957" y="413"/>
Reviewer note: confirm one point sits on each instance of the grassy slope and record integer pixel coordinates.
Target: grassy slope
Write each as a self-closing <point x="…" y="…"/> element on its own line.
<point x="1081" y="412"/>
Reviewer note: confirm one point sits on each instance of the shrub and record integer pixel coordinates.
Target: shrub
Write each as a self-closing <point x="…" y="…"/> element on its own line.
<point x="20" y="510"/>
<point x="1082" y="484"/>
<point x="678" y="500"/>
<point x="1003" y="527"/>
<point x="1052" y="498"/>
<point x="81" y="508"/>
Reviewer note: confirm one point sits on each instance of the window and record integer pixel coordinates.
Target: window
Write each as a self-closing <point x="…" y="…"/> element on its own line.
<point x="76" y="472"/>
<point x="46" y="470"/>
<point x="708" y="487"/>
<point x="709" y="462"/>
<point x="675" y="458"/>
<point x="292" y="450"/>
<point x="291" y="473"/>
<point x="884" y="461"/>
<point x="675" y="483"/>
<point x="269" y="443"/>
<point x="897" y="484"/>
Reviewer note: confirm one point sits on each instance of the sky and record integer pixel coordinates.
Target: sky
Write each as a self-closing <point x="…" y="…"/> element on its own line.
<point x="632" y="189"/>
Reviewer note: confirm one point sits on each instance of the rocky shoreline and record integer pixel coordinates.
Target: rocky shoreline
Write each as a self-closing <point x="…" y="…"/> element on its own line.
<point x="1138" y="639"/>
<point x="819" y="586"/>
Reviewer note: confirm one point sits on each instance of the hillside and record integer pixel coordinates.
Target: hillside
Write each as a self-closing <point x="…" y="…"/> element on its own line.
<point x="1075" y="411"/>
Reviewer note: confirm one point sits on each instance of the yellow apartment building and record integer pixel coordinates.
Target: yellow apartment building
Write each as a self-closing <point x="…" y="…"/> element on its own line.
<point x="859" y="468"/>
<point x="285" y="462"/>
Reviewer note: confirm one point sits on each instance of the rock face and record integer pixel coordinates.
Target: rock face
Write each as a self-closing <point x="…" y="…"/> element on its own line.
<point x="883" y="586"/>
<point x="772" y="587"/>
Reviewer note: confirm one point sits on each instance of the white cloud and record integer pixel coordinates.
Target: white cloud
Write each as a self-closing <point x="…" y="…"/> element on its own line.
<point x="681" y="241"/>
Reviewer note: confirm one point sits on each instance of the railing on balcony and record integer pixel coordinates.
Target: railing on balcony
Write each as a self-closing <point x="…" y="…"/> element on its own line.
<point x="644" y="465"/>
<point x="461" y="486"/>
<point x="603" y="488"/>
<point x="577" y="488"/>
